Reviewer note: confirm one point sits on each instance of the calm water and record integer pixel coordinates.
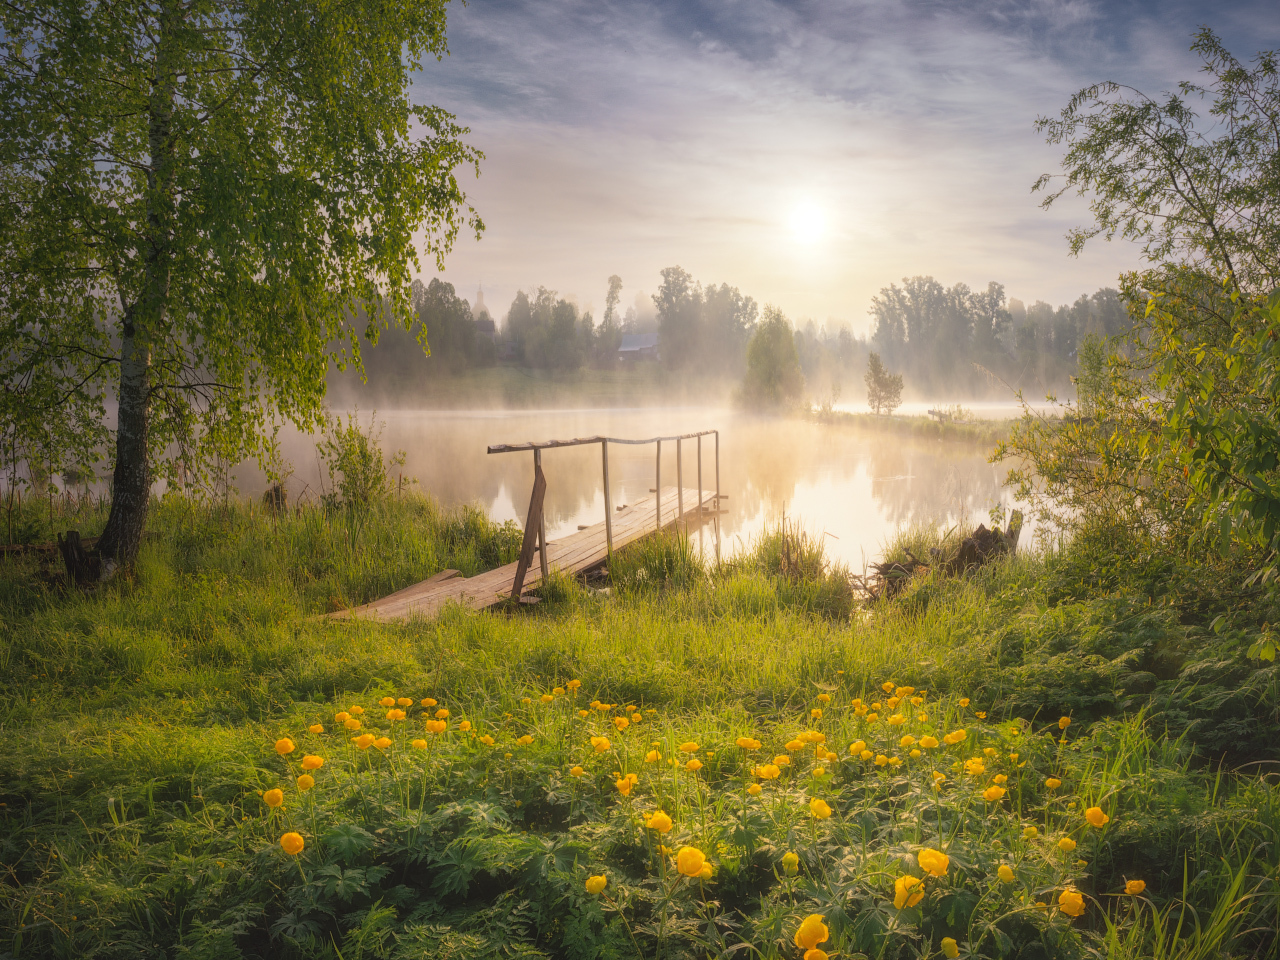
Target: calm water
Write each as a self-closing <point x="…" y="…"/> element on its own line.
<point x="855" y="487"/>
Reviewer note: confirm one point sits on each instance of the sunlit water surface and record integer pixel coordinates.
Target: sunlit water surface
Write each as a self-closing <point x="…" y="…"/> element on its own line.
<point x="854" y="487"/>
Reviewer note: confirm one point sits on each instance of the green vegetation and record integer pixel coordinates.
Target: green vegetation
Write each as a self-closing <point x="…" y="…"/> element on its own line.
<point x="142" y="718"/>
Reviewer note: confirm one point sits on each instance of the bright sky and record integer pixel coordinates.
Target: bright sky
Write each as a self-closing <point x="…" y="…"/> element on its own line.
<point x="807" y="153"/>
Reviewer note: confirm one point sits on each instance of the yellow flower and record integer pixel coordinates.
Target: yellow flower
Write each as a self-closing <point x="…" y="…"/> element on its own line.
<point x="689" y="747"/>
<point x="690" y="861"/>
<point x="573" y="684"/>
<point x="621" y="723"/>
<point x="1134" y="887"/>
<point x="895" y="761"/>
<point x="866" y="755"/>
<point x="546" y="698"/>
<point x="950" y="949"/>
<point x="992" y="794"/>
<point x="975" y="767"/>
<point x="824" y="698"/>
<point x="1071" y="902"/>
<point x="933" y="862"/>
<point x="351" y="723"/>
<point x="907" y="742"/>
<point x="487" y="740"/>
<point x="357" y="711"/>
<point x="595" y="884"/>
<point x="388" y="701"/>
<point x="819" y="771"/>
<point x="694" y="765"/>
<point x="1066" y="844"/>
<point x="442" y="714"/>
<point x="557" y="691"/>
<point x="1096" y="817"/>
<point x="988" y="751"/>
<point x="891" y="702"/>
<point x="292" y="843"/>
<point x="1005" y="873"/>
<point x="816" y="713"/>
<point x="705" y="872"/>
<point x="576" y="771"/>
<point x="1064" y="722"/>
<point x="404" y="702"/>
<point x="624" y="787"/>
<point x="928" y="742"/>
<point x="273" y="798"/>
<point x="316" y="728"/>
<point x="653" y="756"/>
<point x="418" y="744"/>
<point x="981" y="714"/>
<point x="903" y="895"/>
<point x="748" y="743"/>
<point x="790" y="863"/>
<point x="857" y="747"/>
<point x="306" y="782"/>
<point x="782" y="760"/>
<point x="794" y="745"/>
<point x="395" y="714"/>
<point x="887" y="686"/>
<point x="382" y="743"/>
<point x="1030" y="833"/>
<point x="526" y="700"/>
<point x="767" y="771"/>
<point x="915" y="753"/>
<point x="364" y="741"/>
<point x="584" y="713"/>
<point x="341" y="716"/>
<point x="872" y="717"/>
<point x="1053" y="783"/>
<point x="600" y="744"/>
<point x="812" y="736"/>
<point x="284" y="746"/>
<point x="999" y="778"/>
<point x="938" y="777"/>
<point x="312" y="762"/>
<point x="754" y="789"/>
<point x="916" y="701"/>
<point x="525" y="740"/>
<point x="964" y="701"/>
<point x="896" y="720"/>
<point x="465" y="726"/>
<point x="818" y="807"/>
<point x="436" y="726"/>
<point x="881" y="760"/>
<point x="954" y="737"/>
<point x="811" y="932"/>
<point x="658" y="820"/>
<point x="427" y="702"/>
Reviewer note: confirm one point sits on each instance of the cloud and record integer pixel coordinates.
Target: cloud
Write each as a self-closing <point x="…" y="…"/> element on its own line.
<point x="626" y="137"/>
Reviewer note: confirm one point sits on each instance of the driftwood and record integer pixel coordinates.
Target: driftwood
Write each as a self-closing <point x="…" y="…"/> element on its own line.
<point x="889" y="578"/>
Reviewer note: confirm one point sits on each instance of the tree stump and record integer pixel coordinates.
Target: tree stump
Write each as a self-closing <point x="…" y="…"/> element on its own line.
<point x="82" y="567"/>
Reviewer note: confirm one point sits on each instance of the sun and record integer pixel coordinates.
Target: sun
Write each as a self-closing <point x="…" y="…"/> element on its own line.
<point x="808" y="223"/>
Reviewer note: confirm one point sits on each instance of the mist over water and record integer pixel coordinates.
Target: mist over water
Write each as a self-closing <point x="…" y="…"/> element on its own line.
<point x="857" y="487"/>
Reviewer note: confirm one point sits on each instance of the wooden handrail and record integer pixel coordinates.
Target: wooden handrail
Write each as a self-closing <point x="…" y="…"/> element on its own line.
<point x="581" y="441"/>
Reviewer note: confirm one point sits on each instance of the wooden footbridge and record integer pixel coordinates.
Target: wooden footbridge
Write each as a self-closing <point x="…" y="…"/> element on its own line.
<point x="668" y="507"/>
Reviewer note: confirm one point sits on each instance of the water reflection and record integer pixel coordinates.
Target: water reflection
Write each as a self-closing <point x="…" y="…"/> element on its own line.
<point x="855" y="486"/>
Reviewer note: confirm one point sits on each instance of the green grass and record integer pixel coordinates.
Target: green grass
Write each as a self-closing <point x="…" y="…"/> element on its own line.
<point x="980" y="432"/>
<point x="140" y="719"/>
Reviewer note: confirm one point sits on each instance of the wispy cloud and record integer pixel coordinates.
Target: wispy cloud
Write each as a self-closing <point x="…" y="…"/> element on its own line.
<point x="623" y="137"/>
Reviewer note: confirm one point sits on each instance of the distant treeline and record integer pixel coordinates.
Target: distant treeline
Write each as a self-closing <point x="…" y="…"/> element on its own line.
<point x="944" y="340"/>
<point x="939" y="337"/>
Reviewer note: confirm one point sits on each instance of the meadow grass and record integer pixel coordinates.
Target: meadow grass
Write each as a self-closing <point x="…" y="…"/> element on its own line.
<point x="141" y="718"/>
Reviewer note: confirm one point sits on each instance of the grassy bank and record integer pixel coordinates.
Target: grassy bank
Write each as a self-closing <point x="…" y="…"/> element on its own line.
<point x="142" y="720"/>
<point x="986" y="432"/>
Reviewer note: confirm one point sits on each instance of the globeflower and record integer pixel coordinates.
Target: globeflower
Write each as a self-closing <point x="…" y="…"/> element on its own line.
<point x="442" y="714"/>
<point x="418" y="744"/>
<point x="404" y="702"/>
<point x="621" y="723"/>
<point x="748" y="743"/>
<point x="754" y="789"/>
<point x="573" y="684"/>
<point x="427" y="702"/>
<point x="950" y="949"/>
<point x="395" y="713"/>
<point x="690" y="861"/>
<point x="811" y="932"/>
<point x="818" y="807"/>
<point x="1071" y="902"/>
<point x="624" y="787"/>
<point x="954" y="737"/>
<point x="658" y="820"/>
<point x="694" y="765"/>
<point x="866" y="755"/>
<point x="595" y="884"/>
<point x="790" y="863"/>
<point x="975" y="767"/>
<point x="896" y="720"/>
<point x="387" y="701"/>
<point x="767" y="771"/>
<point x="689" y="747"/>
<point x="546" y="698"/>
<point x="881" y="760"/>
<point x="1134" y="887"/>
<point x="993" y="793"/>
<point x="273" y="798"/>
<point x="933" y="862"/>
<point x="1064" y="722"/>
<point x="351" y="723"/>
<point x="907" y="742"/>
<point x="1053" y="783"/>
<point x="794" y="745"/>
<point x="600" y="744"/>
<point x="1066" y="844"/>
<point x="465" y="726"/>
<point x="525" y="740"/>
<point x="382" y="743"/>
<point x="782" y="760"/>
<point x="576" y="771"/>
<point x="364" y="741"/>
<point x="1005" y="873"/>
<point x="306" y="782"/>
<point x="316" y="728"/>
<point x="824" y="698"/>
<point x="816" y="713"/>
<point x="284" y="746"/>
<point x="487" y="740"/>
<point x="1096" y="817"/>
<point x="357" y="711"/>
<point x="857" y="747"/>
<point x="292" y="843"/>
<point x="1030" y="833"/>
<point x="312" y="762"/>
<point x="928" y="742"/>
<point x="341" y="716"/>
<point x="903" y="893"/>
<point x="436" y="726"/>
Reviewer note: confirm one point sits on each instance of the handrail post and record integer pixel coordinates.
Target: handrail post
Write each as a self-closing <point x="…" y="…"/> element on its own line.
<point x="679" y="484"/>
<point x="657" y="487"/>
<point x="699" y="481"/>
<point x="542" y="524"/>
<point x="608" y="501"/>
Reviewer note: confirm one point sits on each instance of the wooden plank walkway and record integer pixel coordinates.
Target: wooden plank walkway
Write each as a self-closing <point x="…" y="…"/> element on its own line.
<point x="575" y="553"/>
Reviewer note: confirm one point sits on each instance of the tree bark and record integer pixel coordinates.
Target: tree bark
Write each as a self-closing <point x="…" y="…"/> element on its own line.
<point x="142" y="322"/>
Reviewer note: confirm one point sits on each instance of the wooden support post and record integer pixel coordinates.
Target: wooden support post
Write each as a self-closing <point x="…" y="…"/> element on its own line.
<point x="542" y="523"/>
<point x="679" y="484"/>
<point x="657" y="487"/>
<point x="531" y="525"/>
<point x="717" y="496"/>
<point x="699" y="480"/>
<point x="608" y="501"/>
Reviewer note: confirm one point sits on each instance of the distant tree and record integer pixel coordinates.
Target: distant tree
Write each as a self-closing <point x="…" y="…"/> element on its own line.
<point x="679" y="303"/>
<point x="198" y="201"/>
<point x="611" y="301"/>
<point x="774" y="378"/>
<point x="884" y="389"/>
<point x="609" y="337"/>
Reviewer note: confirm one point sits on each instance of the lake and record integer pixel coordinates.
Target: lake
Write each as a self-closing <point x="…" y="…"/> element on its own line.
<point x="855" y="487"/>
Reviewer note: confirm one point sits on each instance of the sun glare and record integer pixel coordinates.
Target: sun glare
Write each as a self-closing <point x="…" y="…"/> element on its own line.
<point x="807" y="223"/>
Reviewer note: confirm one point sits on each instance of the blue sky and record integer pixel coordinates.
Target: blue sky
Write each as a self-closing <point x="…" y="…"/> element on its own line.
<point x="807" y="153"/>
